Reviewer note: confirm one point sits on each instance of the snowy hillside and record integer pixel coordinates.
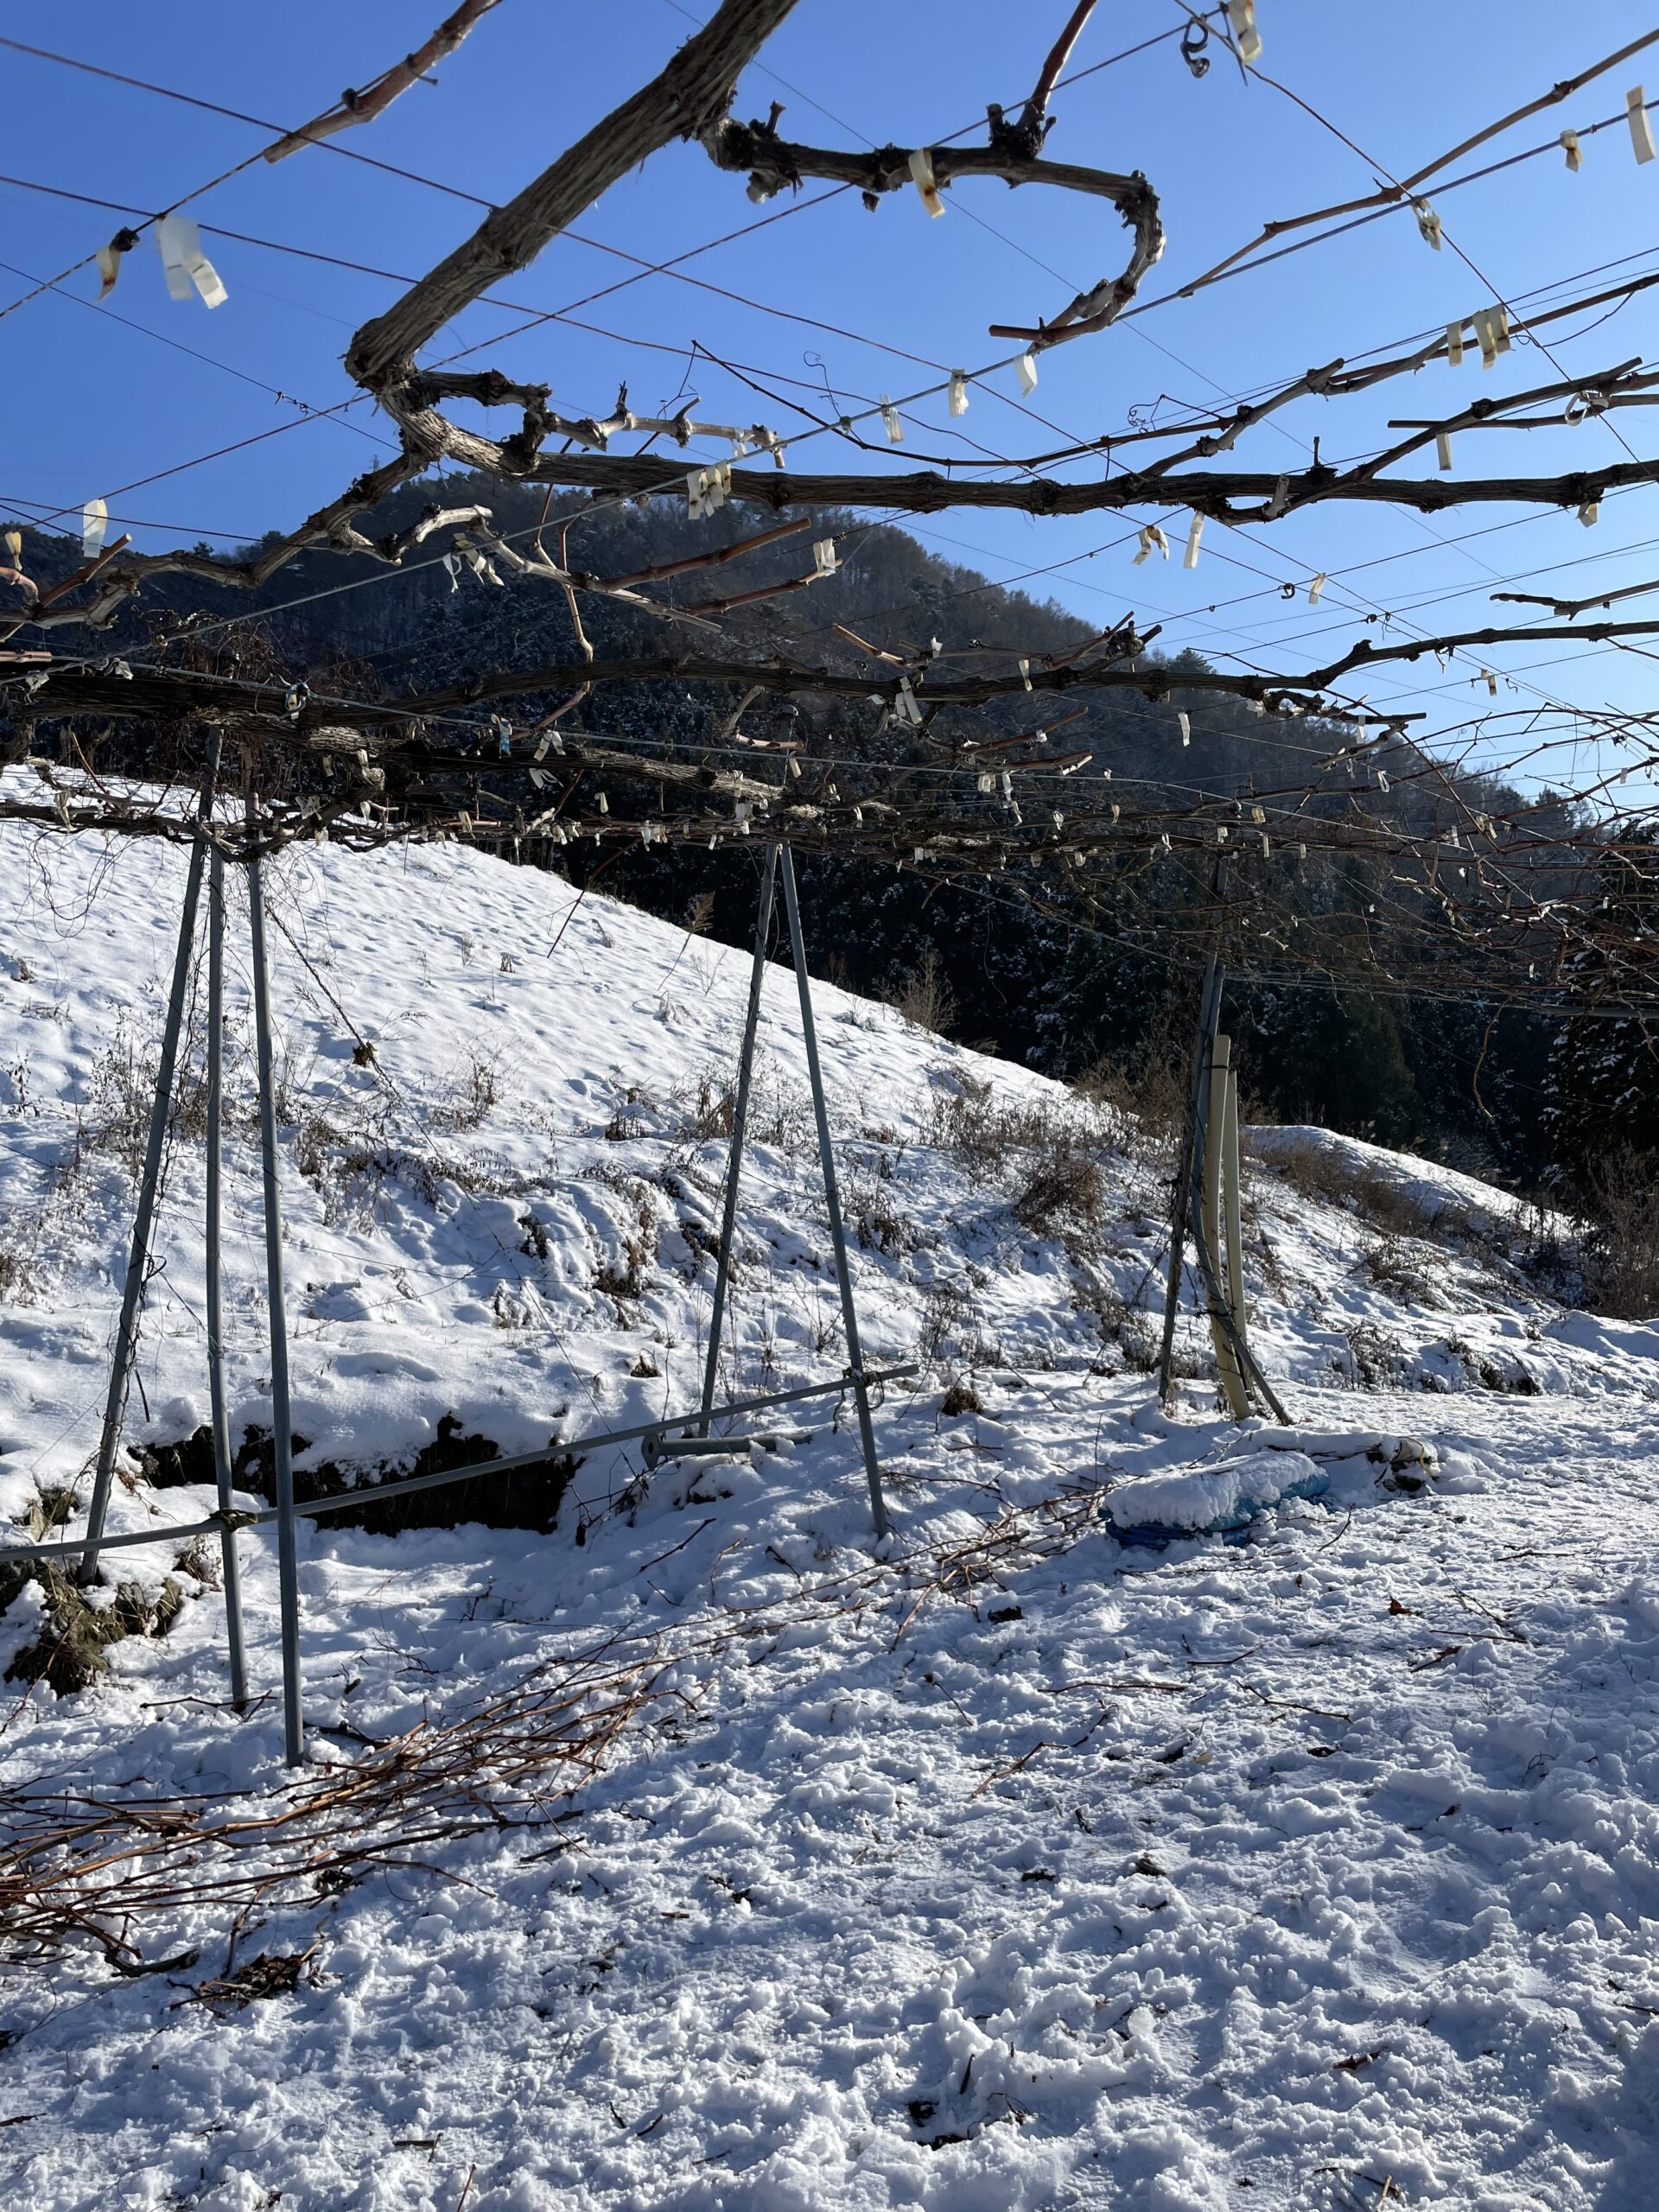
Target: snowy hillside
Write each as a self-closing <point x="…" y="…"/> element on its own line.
<point x="694" y="1851"/>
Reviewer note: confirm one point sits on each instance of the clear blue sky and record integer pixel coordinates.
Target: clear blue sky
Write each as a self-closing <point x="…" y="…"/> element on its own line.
<point x="95" y="403"/>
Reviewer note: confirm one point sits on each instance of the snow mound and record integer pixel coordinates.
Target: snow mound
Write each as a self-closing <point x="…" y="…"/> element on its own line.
<point x="1215" y="1498"/>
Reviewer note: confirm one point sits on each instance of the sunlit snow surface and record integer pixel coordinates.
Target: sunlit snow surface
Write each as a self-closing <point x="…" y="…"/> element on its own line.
<point x="1219" y="1874"/>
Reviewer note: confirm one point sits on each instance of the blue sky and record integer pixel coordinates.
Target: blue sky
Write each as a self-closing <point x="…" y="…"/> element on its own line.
<point x="832" y="296"/>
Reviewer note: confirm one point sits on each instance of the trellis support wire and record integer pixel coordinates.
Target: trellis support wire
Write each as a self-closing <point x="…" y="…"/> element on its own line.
<point x="230" y="1573"/>
<point x="349" y="1501"/>
<point x="280" y="1425"/>
<point x="126" y="1332"/>
<point x="832" y="1200"/>
<point x="740" y="1122"/>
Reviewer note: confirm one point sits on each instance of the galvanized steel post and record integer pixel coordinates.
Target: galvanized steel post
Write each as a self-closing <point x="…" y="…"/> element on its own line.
<point x="740" y="1122"/>
<point x="126" y="1332"/>
<point x="231" y="1574"/>
<point x="832" y="1200"/>
<point x="282" y="1431"/>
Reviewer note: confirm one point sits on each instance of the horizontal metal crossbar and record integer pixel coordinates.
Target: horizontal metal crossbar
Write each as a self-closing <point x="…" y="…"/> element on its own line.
<point x="371" y="1493"/>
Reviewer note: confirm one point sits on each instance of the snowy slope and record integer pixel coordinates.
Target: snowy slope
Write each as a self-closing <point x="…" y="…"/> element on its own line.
<point x="1024" y="1866"/>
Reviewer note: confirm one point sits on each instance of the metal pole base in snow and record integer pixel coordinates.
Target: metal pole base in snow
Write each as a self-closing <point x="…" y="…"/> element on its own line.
<point x="126" y="1331"/>
<point x="281" y="1430"/>
<point x="740" y="1122"/>
<point x="832" y="1200"/>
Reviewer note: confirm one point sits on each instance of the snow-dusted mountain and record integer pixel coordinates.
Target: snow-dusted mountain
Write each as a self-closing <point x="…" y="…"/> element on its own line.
<point x="1010" y="1865"/>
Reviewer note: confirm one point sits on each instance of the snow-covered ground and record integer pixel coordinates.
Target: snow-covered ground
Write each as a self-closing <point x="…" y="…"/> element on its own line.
<point x="1021" y="1865"/>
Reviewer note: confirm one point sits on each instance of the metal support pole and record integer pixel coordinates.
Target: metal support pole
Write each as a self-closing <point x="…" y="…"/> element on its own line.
<point x="282" y="1431"/>
<point x="740" y="1122"/>
<point x="232" y="1574"/>
<point x="126" y="1332"/>
<point x="832" y="1200"/>
<point x="1227" y="1367"/>
<point x="1231" y="1198"/>
<point x="1186" y="1171"/>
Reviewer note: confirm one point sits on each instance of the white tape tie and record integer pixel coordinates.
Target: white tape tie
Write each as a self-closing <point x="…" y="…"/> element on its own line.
<point x="1279" y="501"/>
<point x="1491" y="681"/>
<point x="1024" y="674"/>
<point x="1184" y="724"/>
<point x="1026" y="369"/>
<point x="958" y="401"/>
<point x="707" y="489"/>
<point x="986" y="781"/>
<point x="184" y="263"/>
<point x="824" y="562"/>
<point x="921" y="169"/>
<point x="602" y="803"/>
<point x="452" y="562"/>
<point x="1428" y="223"/>
<point x="94" y="521"/>
<point x="1443" y="451"/>
<point x="1571" y="149"/>
<point x="1189" y="559"/>
<point x="1589" y="513"/>
<point x="109" y="268"/>
<point x="1151" y="536"/>
<point x="904" y="705"/>
<point x="1241" y="14"/>
<point x="1635" y="110"/>
<point x="1316" y="587"/>
<point x="1492" y="329"/>
<point x="890" y="416"/>
<point x="1455" y="344"/>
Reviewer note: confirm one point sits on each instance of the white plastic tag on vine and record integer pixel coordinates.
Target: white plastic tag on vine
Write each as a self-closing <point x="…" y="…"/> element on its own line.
<point x="94" y="521"/>
<point x="1635" y="110"/>
<point x="184" y="263"/>
<point x="1241" y="14"/>
<point x="921" y="169"/>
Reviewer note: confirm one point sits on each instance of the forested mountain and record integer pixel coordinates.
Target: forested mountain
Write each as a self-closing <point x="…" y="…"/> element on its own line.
<point x="1057" y="988"/>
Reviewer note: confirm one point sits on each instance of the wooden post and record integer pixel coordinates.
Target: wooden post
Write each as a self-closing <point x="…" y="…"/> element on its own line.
<point x="1227" y="1364"/>
<point x="1236" y="1298"/>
